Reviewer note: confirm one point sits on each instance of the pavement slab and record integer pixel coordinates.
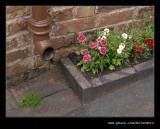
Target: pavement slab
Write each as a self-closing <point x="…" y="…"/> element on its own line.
<point x="10" y="101"/>
<point x="58" y="104"/>
<point x="17" y="112"/>
<point x="135" y="100"/>
<point x="43" y="89"/>
<point x="80" y="112"/>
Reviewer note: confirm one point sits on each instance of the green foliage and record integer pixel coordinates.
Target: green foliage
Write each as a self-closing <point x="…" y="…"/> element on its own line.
<point x="31" y="100"/>
<point x="149" y="31"/>
<point x="116" y="55"/>
<point x="111" y="67"/>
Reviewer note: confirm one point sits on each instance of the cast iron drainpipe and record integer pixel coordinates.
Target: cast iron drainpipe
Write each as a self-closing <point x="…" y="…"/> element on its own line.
<point x="40" y="25"/>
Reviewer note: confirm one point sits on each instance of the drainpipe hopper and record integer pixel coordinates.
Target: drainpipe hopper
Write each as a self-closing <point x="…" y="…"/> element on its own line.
<point x="40" y="25"/>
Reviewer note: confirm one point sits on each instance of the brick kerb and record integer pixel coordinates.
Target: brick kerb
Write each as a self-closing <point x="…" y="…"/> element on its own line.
<point x="131" y="74"/>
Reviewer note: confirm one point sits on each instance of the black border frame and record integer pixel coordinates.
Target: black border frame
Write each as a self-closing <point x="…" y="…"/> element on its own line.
<point x="76" y="122"/>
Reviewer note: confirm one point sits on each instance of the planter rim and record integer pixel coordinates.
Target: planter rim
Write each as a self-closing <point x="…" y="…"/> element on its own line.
<point x="88" y="90"/>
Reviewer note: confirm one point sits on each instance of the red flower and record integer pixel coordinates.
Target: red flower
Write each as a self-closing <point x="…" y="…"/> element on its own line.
<point x="138" y="49"/>
<point x="103" y="42"/>
<point x="84" y="52"/>
<point x="81" y="38"/>
<point x="86" y="58"/>
<point x="102" y="50"/>
<point x="150" y="42"/>
<point x="93" y="45"/>
<point x="151" y="45"/>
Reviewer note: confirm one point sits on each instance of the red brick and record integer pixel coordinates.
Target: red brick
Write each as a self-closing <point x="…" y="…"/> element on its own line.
<point x="16" y="11"/>
<point x="84" y="11"/>
<point x="14" y="28"/>
<point x="11" y="43"/>
<point x="122" y="26"/>
<point x="19" y="40"/>
<point x="61" y="41"/>
<point x="131" y="24"/>
<point x="63" y="52"/>
<point x="61" y="13"/>
<point x="142" y="11"/>
<point x="24" y="38"/>
<point x="74" y="25"/>
<point x="115" y="17"/>
<point x="12" y="56"/>
<point x="100" y="9"/>
<point x="19" y="67"/>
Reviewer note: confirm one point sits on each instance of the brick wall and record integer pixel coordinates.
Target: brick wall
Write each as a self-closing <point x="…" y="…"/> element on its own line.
<point x="67" y="21"/>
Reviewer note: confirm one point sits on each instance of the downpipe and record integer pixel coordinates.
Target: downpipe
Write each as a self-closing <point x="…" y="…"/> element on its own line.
<point x="40" y="25"/>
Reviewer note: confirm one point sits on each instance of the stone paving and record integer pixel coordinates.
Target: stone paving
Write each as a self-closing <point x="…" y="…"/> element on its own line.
<point x="134" y="100"/>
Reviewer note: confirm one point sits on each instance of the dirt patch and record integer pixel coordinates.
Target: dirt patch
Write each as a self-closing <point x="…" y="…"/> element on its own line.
<point x="53" y="71"/>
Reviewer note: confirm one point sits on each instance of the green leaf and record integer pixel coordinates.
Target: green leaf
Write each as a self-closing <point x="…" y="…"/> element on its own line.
<point x="101" y="67"/>
<point x="80" y="63"/>
<point x="97" y="62"/>
<point x="118" y="62"/>
<point x="127" y="60"/>
<point x="82" y="69"/>
<point x="87" y="69"/>
<point x="85" y="66"/>
<point x="111" y="67"/>
<point x="114" y="61"/>
<point x="106" y="61"/>
<point x="94" y="71"/>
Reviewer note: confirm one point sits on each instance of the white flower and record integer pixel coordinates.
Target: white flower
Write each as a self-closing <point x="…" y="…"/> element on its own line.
<point x="106" y="30"/>
<point x="122" y="46"/>
<point x="119" y="51"/>
<point x="124" y="35"/>
<point x="130" y="36"/>
<point x="104" y="37"/>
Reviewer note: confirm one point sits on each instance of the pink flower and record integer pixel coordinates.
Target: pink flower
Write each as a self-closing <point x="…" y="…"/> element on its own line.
<point x="103" y="42"/>
<point x="99" y="39"/>
<point x="81" y="38"/>
<point x="102" y="50"/>
<point x="84" y="52"/>
<point x="93" y="45"/>
<point x="86" y="58"/>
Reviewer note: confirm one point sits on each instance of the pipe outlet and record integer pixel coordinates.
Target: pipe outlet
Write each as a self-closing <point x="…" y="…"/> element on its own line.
<point x="40" y="26"/>
<point x="45" y="49"/>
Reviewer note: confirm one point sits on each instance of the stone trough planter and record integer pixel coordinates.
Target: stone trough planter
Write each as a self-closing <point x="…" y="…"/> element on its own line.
<point x="88" y="90"/>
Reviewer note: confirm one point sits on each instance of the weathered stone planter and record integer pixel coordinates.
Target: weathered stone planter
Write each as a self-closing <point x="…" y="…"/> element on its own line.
<point x="89" y="90"/>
